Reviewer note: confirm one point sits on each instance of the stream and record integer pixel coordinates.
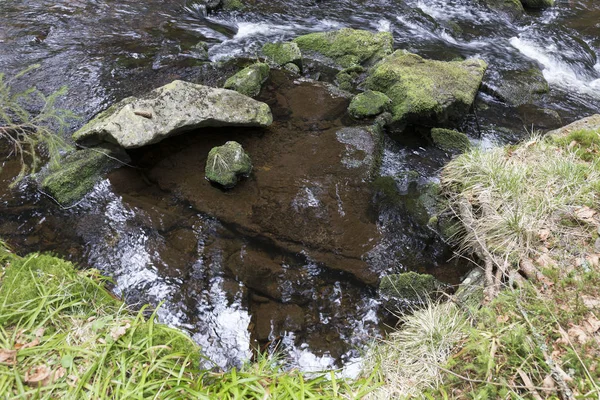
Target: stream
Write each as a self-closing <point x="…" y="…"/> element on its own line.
<point x="245" y="269"/>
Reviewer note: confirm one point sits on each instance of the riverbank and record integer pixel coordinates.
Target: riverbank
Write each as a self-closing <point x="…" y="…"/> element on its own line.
<point x="529" y="214"/>
<point x="63" y="335"/>
<point x="536" y="334"/>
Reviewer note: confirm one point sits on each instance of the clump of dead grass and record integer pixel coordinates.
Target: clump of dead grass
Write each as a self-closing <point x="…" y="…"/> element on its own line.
<point x="409" y="359"/>
<point x="513" y="201"/>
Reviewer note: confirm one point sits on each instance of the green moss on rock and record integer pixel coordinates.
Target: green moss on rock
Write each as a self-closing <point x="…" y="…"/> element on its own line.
<point x="450" y="140"/>
<point x="293" y="68"/>
<point x="348" y="47"/>
<point x="232" y="5"/>
<point x="77" y="172"/>
<point x="409" y="286"/>
<point x="369" y="104"/>
<point x="427" y="91"/>
<point x="227" y="163"/>
<point x="249" y="80"/>
<point x="283" y="53"/>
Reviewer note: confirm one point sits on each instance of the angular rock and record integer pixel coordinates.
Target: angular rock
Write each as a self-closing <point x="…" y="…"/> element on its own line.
<point x="450" y="140"/>
<point x="227" y="163"/>
<point x="369" y="104"/>
<point x="249" y="80"/>
<point x="283" y="53"/>
<point x="513" y="8"/>
<point x="348" y="47"/>
<point x="424" y="91"/>
<point x="172" y="109"/>
<point x="78" y="172"/>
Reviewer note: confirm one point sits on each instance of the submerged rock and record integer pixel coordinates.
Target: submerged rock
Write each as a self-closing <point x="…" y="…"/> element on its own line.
<point x="283" y="53"/>
<point x="348" y="47"/>
<point x="519" y="87"/>
<point x="172" y="109"/>
<point x="409" y="286"/>
<point x="513" y="8"/>
<point x="310" y="194"/>
<point x="200" y="51"/>
<point x="249" y="80"/>
<point x="427" y="92"/>
<point x="450" y="140"/>
<point x="78" y="171"/>
<point x="369" y="104"/>
<point x="537" y="4"/>
<point x="227" y="163"/>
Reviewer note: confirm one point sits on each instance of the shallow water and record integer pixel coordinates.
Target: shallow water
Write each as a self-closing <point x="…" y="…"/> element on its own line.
<point x="234" y="282"/>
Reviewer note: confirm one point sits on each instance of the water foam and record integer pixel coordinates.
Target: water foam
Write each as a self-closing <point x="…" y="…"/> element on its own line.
<point x="556" y="71"/>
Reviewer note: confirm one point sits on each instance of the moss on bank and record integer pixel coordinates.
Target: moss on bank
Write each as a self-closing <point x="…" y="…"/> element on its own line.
<point x="63" y="335"/>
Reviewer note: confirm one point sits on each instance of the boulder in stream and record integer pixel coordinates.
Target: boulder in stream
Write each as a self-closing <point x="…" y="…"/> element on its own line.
<point x="249" y="80"/>
<point x="172" y="109"/>
<point x="427" y="92"/>
<point x="348" y="47"/>
<point x="227" y="163"/>
<point x="513" y="8"/>
<point x="537" y="4"/>
<point x="78" y="171"/>
<point x="518" y="87"/>
<point x="283" y="53"/>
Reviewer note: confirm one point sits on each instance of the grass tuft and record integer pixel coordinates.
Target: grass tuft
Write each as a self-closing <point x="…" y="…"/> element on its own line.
<point x="409" y="359"/>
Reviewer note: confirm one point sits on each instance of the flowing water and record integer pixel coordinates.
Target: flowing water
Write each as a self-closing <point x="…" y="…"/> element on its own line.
<point x="245" y="269"/>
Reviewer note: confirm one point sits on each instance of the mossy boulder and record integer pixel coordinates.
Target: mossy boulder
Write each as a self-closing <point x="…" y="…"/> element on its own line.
<point x="409" y="286"/>
<point x="427" y="92"/>
<point x="170" y="110"/>
<point x="369" y="104"/>
<point x="537" y="4"/>
<point x="283" y="53"/>
<point x="450" y="140"/>
<point x="348" y="47"/>
<point x="226" y="164"/>
<point x="249" y="80"/>
<point x="76" y="173"/>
